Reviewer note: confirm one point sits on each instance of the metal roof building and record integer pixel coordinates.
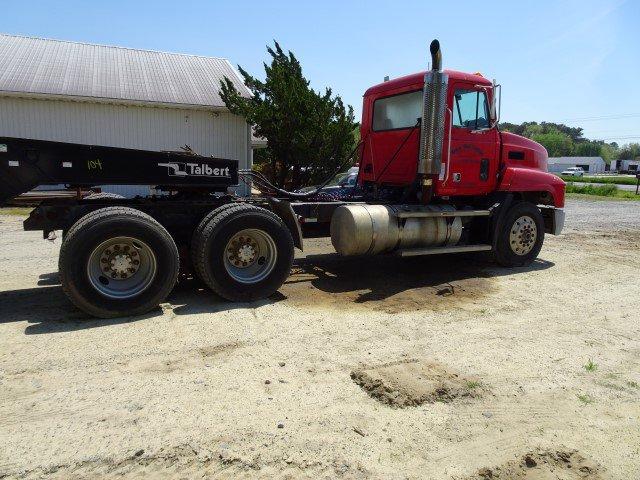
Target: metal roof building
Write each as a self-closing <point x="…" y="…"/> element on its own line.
<point x="120" y="97"/>
<point x="588" y="164"/>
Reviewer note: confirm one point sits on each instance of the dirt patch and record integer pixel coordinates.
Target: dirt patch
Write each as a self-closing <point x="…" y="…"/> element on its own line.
<point x="411" y="383"/>
<point x="544" y="465"/>
<point x="390" y="284"/>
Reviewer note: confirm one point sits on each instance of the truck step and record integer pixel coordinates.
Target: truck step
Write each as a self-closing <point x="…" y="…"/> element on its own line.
<point x="413" y="252"/>
<point x="440" y="214"/>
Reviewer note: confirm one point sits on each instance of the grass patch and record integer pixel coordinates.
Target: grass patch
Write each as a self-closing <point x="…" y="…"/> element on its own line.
<point x="17" y="211"/>
<point x="585" y="399"/>
<point x="620" y="180"/>
<point x="472" y="385"/>
<point x="609" y="191"/>
<point x="632" y="384"/>
<point x="595" y="198"/>
<point x="590" y="366"/>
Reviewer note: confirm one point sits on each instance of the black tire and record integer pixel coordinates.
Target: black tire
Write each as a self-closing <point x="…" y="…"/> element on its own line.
<point x="506" y="246"/>
<point x="198" y="233"/>
<point x="82" y="240"/>
<point x="103" y="196"/>
<point x="209" y="248"/>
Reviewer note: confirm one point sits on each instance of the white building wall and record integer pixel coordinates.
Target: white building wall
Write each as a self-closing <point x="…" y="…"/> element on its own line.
<point x="589" y="167"/>
<point x="208" y="133"/>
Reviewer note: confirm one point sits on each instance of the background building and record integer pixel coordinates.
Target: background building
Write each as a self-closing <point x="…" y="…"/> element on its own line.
<point x="119" y="97"/>
<point x="632" y="166"/>
<point x="588" y="164"/>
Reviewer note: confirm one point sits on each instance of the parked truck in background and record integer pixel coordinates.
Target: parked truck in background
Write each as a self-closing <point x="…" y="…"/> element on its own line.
<point x="436" y="175"/>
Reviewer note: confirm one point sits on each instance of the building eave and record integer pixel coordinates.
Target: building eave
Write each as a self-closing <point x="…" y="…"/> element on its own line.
<point x="110" y="101"/>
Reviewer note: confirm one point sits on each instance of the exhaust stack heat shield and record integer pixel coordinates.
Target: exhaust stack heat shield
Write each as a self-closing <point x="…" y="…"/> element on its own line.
<point x="433" y="116"/>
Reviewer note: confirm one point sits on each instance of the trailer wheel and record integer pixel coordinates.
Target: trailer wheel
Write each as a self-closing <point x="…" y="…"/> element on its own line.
<point x="521" y="235"/>
<point x="117" y="261"/>
<point x="243" y="252"/>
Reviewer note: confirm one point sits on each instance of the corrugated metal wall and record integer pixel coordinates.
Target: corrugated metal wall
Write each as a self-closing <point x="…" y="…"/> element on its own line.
<point x="147" y="128"/>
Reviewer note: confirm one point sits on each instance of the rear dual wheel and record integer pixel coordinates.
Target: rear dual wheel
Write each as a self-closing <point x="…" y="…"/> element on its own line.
<point x="242" y="252"/>
<point x="117" y="261"/>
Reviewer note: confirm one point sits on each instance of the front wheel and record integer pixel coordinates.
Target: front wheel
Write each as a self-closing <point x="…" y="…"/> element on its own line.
<point x="520" y="236"/>
<point x="243" y="252"/>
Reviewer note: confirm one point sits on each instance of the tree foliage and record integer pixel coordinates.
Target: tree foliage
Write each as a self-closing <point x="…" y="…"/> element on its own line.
<point x="629" y="152"/>
<point x="308" y="133"/>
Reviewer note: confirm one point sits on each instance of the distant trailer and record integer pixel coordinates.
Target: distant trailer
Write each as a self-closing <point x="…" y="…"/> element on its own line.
<point x="626" y="166"/>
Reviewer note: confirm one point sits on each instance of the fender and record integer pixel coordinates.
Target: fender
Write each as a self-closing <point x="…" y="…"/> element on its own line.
<point x="517" y="179"/>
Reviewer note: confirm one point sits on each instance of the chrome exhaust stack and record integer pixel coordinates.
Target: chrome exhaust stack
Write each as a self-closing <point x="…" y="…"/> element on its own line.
<point x="432" y="125"/>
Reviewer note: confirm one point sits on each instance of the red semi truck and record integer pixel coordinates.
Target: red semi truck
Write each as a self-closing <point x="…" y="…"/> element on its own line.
<point x="436" y="176"/>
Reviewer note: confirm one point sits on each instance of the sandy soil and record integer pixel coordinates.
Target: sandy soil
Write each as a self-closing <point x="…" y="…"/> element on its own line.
<point x="206" y="389"/>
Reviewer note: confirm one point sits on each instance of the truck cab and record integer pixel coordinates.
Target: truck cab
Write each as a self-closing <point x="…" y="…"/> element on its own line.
<point x="477" y="159"/>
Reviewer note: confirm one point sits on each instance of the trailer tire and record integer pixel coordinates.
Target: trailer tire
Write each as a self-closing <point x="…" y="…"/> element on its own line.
<point x="243" y="252"/>
<point x="148" y="264"/>
<point x="520" y="236"/>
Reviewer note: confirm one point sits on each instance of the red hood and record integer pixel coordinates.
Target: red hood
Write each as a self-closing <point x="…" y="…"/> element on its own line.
<point x="535" y="155"/>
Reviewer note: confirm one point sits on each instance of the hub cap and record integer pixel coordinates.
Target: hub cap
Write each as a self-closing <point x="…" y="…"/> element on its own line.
<point x="121" y="267"/>
<point x="250" y="256"/>
<point x="523" y="235"/>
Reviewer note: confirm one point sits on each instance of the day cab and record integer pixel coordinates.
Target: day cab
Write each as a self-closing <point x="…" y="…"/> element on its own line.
<point x="477" y="158"/>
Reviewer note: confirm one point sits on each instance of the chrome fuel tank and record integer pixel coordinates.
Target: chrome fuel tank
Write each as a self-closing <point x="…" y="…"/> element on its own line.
<point x="371" y="229"/>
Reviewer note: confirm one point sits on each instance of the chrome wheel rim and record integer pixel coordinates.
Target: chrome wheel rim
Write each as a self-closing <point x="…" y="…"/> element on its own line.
<point x="523" y="235"/>
<point x="250" y="256"/>
<point x="121" y="267"/>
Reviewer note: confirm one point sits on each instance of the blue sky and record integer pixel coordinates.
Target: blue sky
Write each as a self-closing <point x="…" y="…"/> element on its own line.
<point x="573" y="61"/>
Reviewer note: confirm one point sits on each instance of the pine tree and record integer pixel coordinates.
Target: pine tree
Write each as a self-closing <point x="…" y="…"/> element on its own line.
<point x="308" y="133"/>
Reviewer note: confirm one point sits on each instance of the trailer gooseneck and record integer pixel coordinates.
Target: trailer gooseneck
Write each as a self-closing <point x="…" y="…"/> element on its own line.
<point x="435" y="176"/>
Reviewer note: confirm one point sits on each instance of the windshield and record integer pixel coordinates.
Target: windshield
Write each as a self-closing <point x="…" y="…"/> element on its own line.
<point x="338" y="179"/>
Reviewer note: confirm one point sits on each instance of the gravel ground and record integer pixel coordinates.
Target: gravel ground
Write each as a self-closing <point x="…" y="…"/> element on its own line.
<point x="444" y="367"/>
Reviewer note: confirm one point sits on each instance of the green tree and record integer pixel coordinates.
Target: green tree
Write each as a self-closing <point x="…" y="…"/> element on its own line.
<point x="608" y="152"/>
<point x="558" y="144"/>
<point x="630" y="151"/>
<point x="308" y="133"/>
<point x="588" y="149"/>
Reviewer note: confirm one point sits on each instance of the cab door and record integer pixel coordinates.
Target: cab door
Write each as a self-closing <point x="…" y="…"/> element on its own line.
<point x="470" y="154"/>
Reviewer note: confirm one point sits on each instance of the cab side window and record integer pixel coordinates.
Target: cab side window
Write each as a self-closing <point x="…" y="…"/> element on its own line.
<point x="470" y="109"/>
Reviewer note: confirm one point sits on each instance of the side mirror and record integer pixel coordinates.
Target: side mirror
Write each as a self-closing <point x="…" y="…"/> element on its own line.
<point x="496" y="103"/>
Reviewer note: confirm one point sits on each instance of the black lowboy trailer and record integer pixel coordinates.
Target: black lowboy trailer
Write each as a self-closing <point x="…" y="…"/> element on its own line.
<point x="123" y="256"/>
